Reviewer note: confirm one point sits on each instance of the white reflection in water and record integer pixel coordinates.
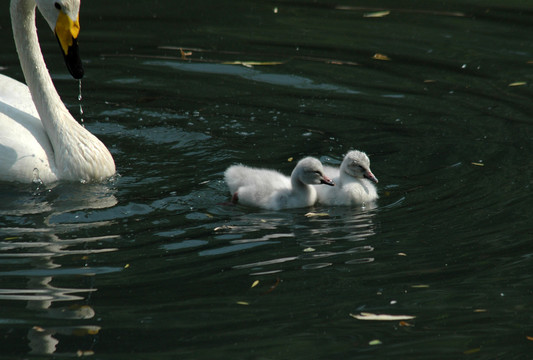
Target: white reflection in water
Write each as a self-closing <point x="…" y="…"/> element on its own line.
<point x="40" y="294"/>
<point x="316" y="266"/>
<point x="34" y="254"/>
<point x="335" y="234"/>
<point x="42" y="341"/>
<point x="289" y="80"/>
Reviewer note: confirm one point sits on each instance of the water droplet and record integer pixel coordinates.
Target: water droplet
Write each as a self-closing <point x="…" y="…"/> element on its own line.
<point x="80" y="98"/>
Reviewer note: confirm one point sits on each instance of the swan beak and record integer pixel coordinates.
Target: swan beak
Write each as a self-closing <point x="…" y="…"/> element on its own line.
<point x="67" y="31"/>
<point x="327" y="181"/>
<point x="371" y="176"/>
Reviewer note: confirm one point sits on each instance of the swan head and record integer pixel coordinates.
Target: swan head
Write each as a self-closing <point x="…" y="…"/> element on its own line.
<point x="357" y="164"/>
<point x="311" y="172"/>
<point x="63" y="18"/>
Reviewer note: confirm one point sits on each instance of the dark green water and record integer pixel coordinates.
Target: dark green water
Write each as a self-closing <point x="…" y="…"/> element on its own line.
<point x="152" y="266"/>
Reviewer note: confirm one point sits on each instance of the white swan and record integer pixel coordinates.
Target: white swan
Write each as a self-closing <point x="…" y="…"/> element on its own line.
<point x="39" y="139"/>
<point x="353" y="182"/>
<point x="268" y="189"/>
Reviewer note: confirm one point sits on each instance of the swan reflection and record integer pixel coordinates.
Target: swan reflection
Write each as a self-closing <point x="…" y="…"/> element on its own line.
<point x="330" y="238"/>
<point x="40" y="259"/>
<point x="41" y="254"/>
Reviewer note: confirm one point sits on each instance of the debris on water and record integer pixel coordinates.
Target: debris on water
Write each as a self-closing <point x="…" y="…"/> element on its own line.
<point x="517" y="83"/>
<point x="381" y="317"/>
<point x="224" y="227"/>
<point x="382" y="57"/>
<point x="313" y="214"/>
<point x="376" y="14"/>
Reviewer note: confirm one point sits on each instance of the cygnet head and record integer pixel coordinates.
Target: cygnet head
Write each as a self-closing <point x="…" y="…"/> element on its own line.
<point x="311" y="172"/>
<point x="357" y="165"/>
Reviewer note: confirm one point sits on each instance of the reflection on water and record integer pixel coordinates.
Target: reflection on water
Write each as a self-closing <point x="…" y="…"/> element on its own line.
<point x="44" y="256"/>
<point x="251" y="231"/>
<point x="248" y="73"/>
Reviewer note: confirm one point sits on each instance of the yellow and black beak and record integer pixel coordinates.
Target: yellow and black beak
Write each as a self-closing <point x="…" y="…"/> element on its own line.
<point x="67" y="32"/>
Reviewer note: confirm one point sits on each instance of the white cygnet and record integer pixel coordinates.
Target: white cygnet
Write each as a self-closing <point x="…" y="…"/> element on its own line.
<point x="269" y="189"/>
<point x="354" y="182"/>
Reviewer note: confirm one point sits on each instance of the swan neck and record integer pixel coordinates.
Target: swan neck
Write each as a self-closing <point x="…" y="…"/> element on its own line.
<point x="297" y="183"/>
<point x="33" y="66"/>
<point x="78" y="154"/>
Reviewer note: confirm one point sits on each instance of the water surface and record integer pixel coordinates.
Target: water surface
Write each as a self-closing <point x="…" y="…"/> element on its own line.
<point x="152" y="264"/>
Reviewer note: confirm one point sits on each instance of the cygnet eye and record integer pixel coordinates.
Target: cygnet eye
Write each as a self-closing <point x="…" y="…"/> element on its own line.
<point x="57" y="5"/>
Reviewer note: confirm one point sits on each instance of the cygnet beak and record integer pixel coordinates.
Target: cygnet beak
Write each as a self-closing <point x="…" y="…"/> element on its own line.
<point x="371" y="176"/>
<point x="327" y="181"/>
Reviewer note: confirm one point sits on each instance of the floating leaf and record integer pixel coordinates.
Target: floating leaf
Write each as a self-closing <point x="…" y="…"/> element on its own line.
<point x="313" y="214"/>
<point x="477" y="164"/>
<point x="381" y="317"/>
<point x="250" y="64"/>
<point x="340" y="62"/>
<point x="402" y="254"/>
<point x="290" y="159"/>
<point x="255" y="283"/>
<point x="184" y="54"/>
<point x="383" y="57"/>
<point x="273" y="286"/>
<point x="530" y="338"/>
<point x="245" y="303"/>
<point x="126" y="266"/>
<point x="421" y="286"/>
<point x="406" y="324"/>
<point x="81" y="353"/>
<point x="377" y="14"/>
<point x="309" y="249"/>
<point x="518" y="83"/>
<point x="375" y="342"/>
<point x="471" y="351"/>
<point x="224" y="227"/>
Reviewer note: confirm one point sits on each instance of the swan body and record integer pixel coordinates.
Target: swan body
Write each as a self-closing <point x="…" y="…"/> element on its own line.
<point x="354" y="182"/>
<point x="268" y="189"/>
<point x="39" y="138"/>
